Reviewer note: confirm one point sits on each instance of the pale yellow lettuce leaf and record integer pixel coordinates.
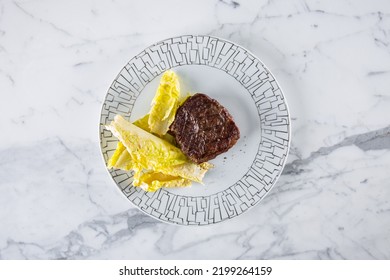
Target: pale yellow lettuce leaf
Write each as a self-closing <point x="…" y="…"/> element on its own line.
<point x="151" y="153"/>
<point x="147" y="150"/>
<point x="164" y="104"/>
<point x="121" y="158"/>
<point x="152" y="181"/>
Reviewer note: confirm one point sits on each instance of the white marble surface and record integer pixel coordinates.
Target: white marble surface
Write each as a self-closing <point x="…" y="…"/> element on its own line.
<point x="58" y="58"/>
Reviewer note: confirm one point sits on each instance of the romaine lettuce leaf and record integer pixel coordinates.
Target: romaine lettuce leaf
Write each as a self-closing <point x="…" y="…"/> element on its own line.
<point x="148" y="153"/>
<point x="164" y="104"/>
<point x="146" y="150"/>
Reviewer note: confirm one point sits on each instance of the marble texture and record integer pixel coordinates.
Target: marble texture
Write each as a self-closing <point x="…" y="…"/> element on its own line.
<point x="57" y="60"/>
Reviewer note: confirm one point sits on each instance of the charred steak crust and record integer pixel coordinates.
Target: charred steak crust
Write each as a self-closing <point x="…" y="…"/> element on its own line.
<point x="203" y="128"/>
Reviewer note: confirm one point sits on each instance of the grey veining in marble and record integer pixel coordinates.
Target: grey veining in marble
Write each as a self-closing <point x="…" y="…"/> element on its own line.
<point x="57" y="60"/>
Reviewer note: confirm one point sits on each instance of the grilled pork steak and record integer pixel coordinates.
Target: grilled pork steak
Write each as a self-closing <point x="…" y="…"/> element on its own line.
<point x="203" y="128"/>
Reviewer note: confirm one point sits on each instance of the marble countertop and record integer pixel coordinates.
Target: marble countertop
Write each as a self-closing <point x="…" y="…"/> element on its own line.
<point x="57" y="60"/>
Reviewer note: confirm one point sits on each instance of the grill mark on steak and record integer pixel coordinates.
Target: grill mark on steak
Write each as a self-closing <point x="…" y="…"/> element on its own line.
<point x="203" y="128"/>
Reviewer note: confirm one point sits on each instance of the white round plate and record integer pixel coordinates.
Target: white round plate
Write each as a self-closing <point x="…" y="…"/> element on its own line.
<point x="240" y="82"/>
